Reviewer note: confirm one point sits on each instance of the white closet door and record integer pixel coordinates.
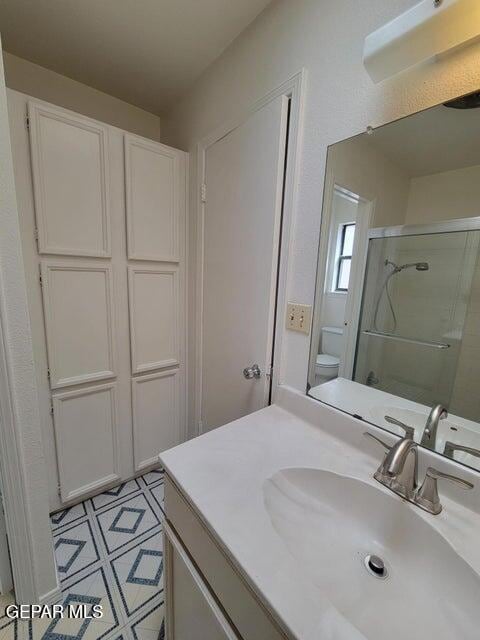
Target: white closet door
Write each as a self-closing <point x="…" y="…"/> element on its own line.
<point x="102" y="320"/>
<point x="70" y="170"/>
<point x="78" y="302"/>
<point x="153" y="190"/>
<point x="87" y="440"/>
<point x="156" y="424"/>
<point x="154" y="317"/>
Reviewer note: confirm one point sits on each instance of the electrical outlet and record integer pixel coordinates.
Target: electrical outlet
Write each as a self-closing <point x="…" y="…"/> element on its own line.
<point x="299" y="317"/>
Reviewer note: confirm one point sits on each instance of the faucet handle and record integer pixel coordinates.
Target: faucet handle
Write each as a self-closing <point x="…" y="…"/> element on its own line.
<point x="451" y="447"/>
<point x="409" y="431"/>
<point x="427" y="496"/>
<point x="386" y="446"/>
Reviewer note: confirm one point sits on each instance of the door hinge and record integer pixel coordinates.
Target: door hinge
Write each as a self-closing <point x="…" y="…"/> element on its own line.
<point x="203" y="192"/>
<point x="51" y="409"/>
<point x="48" y="374"/>
<point x="59" y="491"/>
<point x="27" y="123"/>
<point x="269" y="371"/>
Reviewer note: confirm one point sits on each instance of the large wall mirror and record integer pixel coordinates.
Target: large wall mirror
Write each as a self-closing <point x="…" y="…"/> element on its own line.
<point x="396" y="332"/>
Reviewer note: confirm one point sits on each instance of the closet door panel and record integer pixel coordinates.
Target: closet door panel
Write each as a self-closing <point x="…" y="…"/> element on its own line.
<point x="156" y="425"/>
<point x="78" y="307"/>
<point x="70" y="170"/>
<point x="152" y="175"/>
<point x="154" y="317"/>
<point x="85" y="423"/>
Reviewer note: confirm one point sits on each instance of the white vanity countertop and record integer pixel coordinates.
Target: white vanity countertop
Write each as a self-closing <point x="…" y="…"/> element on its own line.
<point x="222" y="475"/>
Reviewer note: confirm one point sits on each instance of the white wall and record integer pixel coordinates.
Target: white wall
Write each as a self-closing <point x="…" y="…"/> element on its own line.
<point x="443" y="196"/>
<point x="36" y="81"/>
<point x="327" y="39"/>
<point x="18" y="345"/>
<point x="361" y="167"/>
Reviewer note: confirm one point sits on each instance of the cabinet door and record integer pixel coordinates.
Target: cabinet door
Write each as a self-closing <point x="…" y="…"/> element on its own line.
<point x="153" y="189"/>
<point x="192" y="611"/>
<point x="70" y="171"/>
<point x="86" y="435"/>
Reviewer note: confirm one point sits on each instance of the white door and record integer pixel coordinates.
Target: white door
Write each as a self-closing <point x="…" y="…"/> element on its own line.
<point x="108" y="212"/>
<point x="244" y="173"/>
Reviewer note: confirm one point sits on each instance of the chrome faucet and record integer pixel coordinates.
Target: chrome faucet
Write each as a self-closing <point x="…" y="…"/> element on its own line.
<point x="398" y="472"/>
<point x="429" y="437"/>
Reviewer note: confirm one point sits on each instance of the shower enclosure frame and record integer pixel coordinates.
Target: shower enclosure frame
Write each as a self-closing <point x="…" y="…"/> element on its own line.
<point x="444" y="226"/>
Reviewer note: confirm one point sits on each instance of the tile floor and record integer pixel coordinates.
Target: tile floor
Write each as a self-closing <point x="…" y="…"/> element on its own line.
<point x="109" y="552"/>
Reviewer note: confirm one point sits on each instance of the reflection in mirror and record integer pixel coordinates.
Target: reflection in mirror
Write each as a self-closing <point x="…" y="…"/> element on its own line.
<point x="396" y="334"/>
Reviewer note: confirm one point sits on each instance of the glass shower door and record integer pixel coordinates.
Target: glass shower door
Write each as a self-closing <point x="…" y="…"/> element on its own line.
<point x="416" y="296"/>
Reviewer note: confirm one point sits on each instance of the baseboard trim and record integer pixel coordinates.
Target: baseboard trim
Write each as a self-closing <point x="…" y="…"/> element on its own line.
<point x="51" y="597"/>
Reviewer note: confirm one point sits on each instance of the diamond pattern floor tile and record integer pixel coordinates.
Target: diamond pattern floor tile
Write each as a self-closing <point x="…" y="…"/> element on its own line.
<point x="126" y="521"/>
<point x="157" y="493"/>
<point x="91" y="589"/>
<point x="139" y="573"/>
<point x="8" y="629"/>
<point x="67" y="516"/>
<point x="75" y="550"/>
<point x="151" y="625"/>
<point x="153" y="476"/>
<point x="117" y="493"/>
<point x="108" y="548"/>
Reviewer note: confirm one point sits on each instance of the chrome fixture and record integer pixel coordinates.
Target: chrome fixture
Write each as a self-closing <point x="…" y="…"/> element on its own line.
<point x="376" y="566"/>
<point x="419" y="266"/>
<point x="427" y="496"/>
<point x="384" y="335"/>
<point x="372" y="379"/>
<point x="409" y="431"/>
<point x="429" y="437"/>
<point x="252" y="372"/>
<point x="398" y="472"/>
<point x="451" y="447"/>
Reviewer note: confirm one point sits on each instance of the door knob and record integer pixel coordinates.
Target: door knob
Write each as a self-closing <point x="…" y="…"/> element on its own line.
<point x="252" y="372"/>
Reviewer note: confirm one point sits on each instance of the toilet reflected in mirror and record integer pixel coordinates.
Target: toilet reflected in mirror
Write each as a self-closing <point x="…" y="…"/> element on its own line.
<point x="328" y="359"/>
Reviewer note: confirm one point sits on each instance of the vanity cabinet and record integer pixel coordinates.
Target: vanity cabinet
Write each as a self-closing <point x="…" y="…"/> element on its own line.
<point x="206" y="597"/>
<point x="191" y="605"/>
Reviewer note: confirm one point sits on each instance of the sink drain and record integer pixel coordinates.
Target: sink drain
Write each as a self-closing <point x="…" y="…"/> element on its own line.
<point x="376" y="566"/>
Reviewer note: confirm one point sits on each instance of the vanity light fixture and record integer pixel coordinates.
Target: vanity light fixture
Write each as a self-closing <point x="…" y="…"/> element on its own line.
<point x="430" y="28"/>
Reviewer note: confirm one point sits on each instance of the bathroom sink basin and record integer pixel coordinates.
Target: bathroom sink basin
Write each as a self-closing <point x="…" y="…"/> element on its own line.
<point x="332" y="524"/>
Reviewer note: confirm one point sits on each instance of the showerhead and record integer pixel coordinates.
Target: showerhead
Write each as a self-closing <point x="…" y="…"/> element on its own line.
<point x="419" y="266"/>
<point x="422" y="266"/>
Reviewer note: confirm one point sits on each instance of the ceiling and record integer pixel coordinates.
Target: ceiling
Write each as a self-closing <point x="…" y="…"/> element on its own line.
<point x="146" y="52"/>
<point x="432" y="141"/>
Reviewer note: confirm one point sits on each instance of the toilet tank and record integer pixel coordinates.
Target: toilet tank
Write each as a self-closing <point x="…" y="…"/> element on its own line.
<point x="332" y="340"/>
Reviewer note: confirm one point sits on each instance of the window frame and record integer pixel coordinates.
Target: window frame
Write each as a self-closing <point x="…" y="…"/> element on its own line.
<point x="341" y="256"/>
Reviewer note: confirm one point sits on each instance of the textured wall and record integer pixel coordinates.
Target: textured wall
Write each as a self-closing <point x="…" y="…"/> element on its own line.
<point x="17" y="337"/>
<point x="36" y="81"/>
<point x="327" y="39"/>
